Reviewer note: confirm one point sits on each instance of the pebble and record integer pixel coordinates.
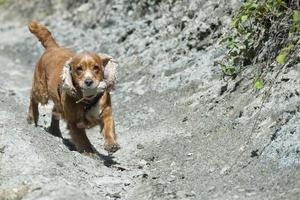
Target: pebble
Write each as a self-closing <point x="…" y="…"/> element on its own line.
<point x="60" y="164"/>
<point x="250" y="194"/>
<point x="139" y="146"/>
<point x="114" y="195"/>
<point x="143" y="163"/>
<point x="184" y="119"/>
<point x="171" y="178"/>
<point x="191" y="194"/>
<point x="225" y="170"/>
<point x="211" y="170"/>
<point x="145" y="175"/>
<point x="213" y="188"/>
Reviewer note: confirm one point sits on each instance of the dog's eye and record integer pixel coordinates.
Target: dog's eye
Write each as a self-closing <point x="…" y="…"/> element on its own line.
<point x="79" y="69"/>
<point x="96" y="68"/>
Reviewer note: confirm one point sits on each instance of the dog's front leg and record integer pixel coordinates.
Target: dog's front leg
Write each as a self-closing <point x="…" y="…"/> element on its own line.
<point x="80" y="139"/>
<point x="110" y="138"/>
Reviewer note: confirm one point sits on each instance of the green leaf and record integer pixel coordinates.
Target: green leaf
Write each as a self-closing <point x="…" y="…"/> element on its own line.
<point x="281" y="58"/>
<point x="259" y="84"/>
<point x="296" y="21"/>
<point x="296" y="15"/>
<point x="3" y="2"/>
<point x="234" y="23"/>
<point x="250" y="6"/>
<point x="244" y="18"/>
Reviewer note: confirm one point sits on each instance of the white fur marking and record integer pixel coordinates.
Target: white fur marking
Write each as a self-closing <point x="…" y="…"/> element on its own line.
<point x="86" y="57"/>
<point x="66" y="77"/>
<point x="88" y="74"/>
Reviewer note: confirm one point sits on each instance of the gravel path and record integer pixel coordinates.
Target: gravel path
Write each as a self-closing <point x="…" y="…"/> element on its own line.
<point x="185" y="132"/>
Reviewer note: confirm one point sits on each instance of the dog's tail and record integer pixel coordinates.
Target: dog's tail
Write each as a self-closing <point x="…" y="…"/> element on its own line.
<point x="43" y="34"/>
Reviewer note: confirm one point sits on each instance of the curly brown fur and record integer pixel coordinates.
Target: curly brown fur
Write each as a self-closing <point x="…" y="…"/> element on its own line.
<point x="87" y="71"/>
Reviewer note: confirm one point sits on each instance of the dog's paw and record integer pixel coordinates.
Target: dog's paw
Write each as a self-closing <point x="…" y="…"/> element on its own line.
<point x="112" y="148"/>
<point x="30" y="119"/>
<point x="85" y="149"/>
<point x="90" y="154"/>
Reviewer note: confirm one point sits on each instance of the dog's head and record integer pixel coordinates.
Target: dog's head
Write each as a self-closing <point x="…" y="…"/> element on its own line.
<point x="84" y="71"/>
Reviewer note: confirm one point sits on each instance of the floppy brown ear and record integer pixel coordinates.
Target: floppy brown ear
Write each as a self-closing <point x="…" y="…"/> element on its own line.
<point x="105" y="59"/>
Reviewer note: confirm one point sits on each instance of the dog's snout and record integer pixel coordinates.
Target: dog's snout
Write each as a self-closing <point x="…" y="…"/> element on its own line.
<point x="88" y="82"/>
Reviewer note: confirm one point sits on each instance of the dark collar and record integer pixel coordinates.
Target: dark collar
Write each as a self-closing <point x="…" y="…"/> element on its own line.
<point x="89" y="103"/>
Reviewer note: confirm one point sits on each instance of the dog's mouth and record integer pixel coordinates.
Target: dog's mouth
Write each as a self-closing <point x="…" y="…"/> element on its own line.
<point x="89" y="92"/>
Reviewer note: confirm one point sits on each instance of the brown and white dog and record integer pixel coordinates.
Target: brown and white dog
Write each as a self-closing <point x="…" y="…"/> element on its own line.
<point x="78" y="84"/>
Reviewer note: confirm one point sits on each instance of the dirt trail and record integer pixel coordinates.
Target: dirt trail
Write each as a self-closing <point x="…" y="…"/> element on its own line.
<point x="185" y="132"/>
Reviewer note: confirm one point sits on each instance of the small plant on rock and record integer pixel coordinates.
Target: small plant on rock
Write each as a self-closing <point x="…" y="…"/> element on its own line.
<point x="262" y="31"/>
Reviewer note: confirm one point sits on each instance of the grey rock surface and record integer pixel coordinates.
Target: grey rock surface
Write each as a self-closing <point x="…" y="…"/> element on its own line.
<point x="186" y="132"/>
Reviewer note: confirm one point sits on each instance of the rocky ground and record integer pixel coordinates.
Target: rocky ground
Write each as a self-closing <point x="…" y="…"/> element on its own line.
<point x="186" y="131"/>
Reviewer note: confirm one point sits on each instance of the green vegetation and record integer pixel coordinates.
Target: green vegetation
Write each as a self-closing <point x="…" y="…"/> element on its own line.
<point x="3" y="2"/>
<point x="262" y="31"/>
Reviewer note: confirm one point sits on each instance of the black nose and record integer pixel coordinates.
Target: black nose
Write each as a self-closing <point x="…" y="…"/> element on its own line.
<point x="88" y="82"/>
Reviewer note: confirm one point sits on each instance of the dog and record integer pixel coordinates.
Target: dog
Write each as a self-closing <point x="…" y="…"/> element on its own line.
<point x="78" y="85"/>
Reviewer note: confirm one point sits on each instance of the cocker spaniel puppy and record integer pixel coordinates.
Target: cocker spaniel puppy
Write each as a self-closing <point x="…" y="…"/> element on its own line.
<point x="79" y="86"/>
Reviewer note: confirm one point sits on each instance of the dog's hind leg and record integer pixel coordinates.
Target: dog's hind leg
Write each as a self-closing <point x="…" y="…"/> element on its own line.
<point x="39" y="94"/>
<point x="54" y="126"/>
<point x="33" y="111"/>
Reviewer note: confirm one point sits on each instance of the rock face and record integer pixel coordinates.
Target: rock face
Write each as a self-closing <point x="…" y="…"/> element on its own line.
<point x="186" y="132"/>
